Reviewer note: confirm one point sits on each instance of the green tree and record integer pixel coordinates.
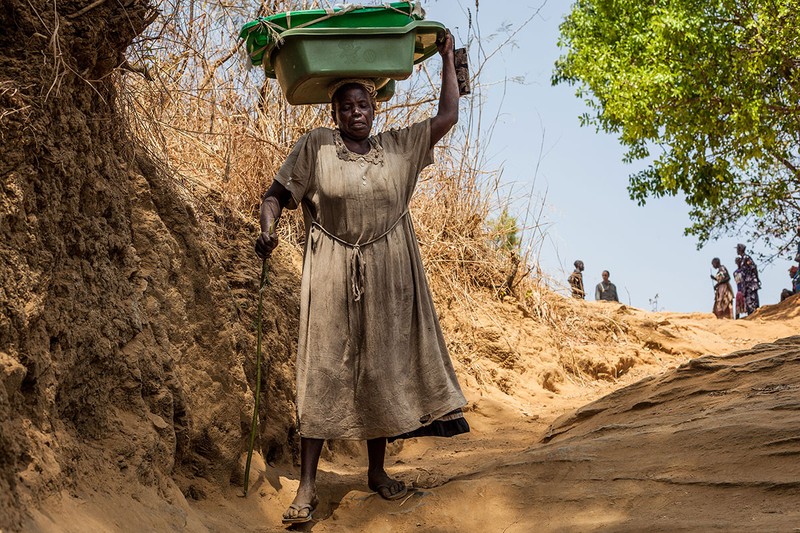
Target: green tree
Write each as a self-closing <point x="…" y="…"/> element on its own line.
<point x="708" y="92"/>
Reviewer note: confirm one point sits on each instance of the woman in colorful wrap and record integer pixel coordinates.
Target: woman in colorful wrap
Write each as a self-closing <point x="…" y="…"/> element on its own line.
<point x="750" y="281"/>
<point x="723" y="293"/>
<point x="372" y="363"/>
<point x="738" y="277"/>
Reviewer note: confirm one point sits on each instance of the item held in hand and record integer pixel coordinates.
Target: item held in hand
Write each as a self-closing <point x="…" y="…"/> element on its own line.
<point x="308" y="50"/>
<point x="462" y="71"/>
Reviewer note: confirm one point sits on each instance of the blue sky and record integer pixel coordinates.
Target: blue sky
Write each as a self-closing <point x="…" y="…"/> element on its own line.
<point x="587" y="206"/>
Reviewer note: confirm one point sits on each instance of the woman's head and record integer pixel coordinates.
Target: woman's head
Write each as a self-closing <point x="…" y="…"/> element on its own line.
<point x="715" y="262"/>
<point x="353" y="107"/>
<point x="366" y="83"/>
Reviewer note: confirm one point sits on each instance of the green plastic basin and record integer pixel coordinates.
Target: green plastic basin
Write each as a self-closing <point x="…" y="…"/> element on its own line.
<point x="307" y="50"/>
<point x="261" y="33"/>
<point x="311" y="59"/>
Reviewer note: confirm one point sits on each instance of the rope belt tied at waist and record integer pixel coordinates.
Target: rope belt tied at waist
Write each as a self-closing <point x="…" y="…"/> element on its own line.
<point x="355" y="257"/>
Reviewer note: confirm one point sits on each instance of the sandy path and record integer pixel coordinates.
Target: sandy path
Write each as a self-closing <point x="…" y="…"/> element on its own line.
<point x="711" y="445"/>
<point x="681" y="442"/>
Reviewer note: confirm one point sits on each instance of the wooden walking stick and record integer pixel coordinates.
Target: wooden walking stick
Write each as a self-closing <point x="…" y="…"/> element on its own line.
<point x="254" y="426"/>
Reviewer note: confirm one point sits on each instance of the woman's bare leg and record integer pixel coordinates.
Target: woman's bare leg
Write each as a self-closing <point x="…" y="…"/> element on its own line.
<point x="310" y="450"/>
<point x="377" y="478"/>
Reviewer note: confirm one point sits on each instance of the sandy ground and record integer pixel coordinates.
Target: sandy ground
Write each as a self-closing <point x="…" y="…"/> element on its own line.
<point x="699" y="433"/>
<point x="686" y="444"/>
<point x="674" y="422"/>
<point x="126" y="368"/>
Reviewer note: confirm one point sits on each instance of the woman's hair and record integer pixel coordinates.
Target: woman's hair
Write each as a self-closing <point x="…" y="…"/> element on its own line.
<point x="337" y="87"/>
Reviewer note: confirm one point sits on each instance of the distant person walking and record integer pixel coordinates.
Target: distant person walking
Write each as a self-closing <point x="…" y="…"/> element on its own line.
<point x="750" y="281"/>
<point x="606" y="290"/>
<point x="723" y="293"/>
<point x="575" y="281"/>
<point x="739" y="278"/>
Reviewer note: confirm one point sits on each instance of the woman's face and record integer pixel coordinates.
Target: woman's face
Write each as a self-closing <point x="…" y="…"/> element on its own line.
<point x="715" y="263"/>
<point x="352" y="112"/>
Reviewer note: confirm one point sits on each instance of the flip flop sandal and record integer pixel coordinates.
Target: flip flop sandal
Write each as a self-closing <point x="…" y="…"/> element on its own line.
<point x="390" y="497"/>
<point x="302" y="519"/>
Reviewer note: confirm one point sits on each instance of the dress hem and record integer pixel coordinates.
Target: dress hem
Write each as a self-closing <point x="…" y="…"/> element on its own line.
<point x="434" y="417"/>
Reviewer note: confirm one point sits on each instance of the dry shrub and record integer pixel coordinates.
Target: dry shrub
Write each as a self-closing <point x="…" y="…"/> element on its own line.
<point x="226" y="131"/>
<point x="191" y="99"/>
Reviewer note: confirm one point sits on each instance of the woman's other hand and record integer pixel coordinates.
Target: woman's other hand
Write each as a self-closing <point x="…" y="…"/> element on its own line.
<point x="265" y="243"/>
<point x="274" y="201"/>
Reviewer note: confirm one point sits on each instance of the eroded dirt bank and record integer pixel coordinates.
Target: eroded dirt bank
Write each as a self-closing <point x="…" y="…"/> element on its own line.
<point x="126" y="304"/>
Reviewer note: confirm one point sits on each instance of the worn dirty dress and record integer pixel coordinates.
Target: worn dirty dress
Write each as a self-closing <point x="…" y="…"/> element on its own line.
<point x="372" y="361"/>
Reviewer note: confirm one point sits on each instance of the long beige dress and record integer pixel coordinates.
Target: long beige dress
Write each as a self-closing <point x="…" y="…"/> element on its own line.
<point x="372" y="361"/>
<point x="723" y="294"/>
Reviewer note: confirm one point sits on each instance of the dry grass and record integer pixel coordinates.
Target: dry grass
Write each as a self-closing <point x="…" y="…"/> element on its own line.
<point x="224" y="129"/>
<point x="190" y="99"/>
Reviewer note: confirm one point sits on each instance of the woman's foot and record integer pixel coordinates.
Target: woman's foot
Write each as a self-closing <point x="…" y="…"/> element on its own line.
<point x="386" y="487"/>
<point x="302" y="508"/>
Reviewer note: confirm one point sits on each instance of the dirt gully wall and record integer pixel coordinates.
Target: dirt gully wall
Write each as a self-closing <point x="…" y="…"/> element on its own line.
<point x="126" y="311"/>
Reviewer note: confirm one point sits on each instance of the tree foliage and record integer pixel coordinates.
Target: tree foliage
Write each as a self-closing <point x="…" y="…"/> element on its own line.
<point x="708" y="93"/>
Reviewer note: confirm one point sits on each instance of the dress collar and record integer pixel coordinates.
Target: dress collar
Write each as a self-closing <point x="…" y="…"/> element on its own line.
<point x="374" y="156"/>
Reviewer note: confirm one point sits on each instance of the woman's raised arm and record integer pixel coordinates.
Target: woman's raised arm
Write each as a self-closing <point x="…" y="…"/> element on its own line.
<point x="447" y="114"/>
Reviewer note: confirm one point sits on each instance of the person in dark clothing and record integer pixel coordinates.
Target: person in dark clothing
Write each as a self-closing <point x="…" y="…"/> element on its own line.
<point x="575" y="281"/>
<point x="750" y="282"/>
<point x="606" y="290"/>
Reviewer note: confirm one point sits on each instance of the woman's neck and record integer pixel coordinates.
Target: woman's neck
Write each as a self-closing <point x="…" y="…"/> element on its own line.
<point x="354" y="145"/>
